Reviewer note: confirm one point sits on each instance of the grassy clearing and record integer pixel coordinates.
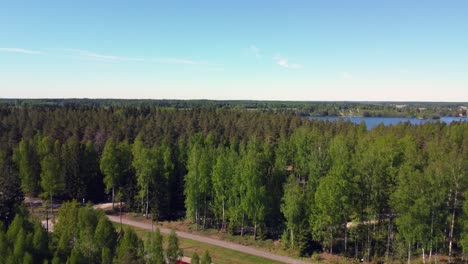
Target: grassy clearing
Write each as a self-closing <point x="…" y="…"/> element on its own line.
<point x="269" y="245"/>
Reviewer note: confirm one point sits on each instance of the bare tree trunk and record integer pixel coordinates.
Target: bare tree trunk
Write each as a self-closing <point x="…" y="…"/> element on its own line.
<point x="432" y="234"/>
<point x="255" y="231"/>
<point x="121" y="225"/>
<point x="452" y="225"/>
<point x="113" y="198"/>
<point x="196" y="219"/>
<point x="292" y="239"/>
<point x="355" y="248"/>
<point x="204" y="214"/>
<point x="47" y="218"/>
<point x="409" y="253"/>
<point x="345" y="235"/>
<point x="147" y="202"/>
<point x="389" y="231"/>
<point x="242" y="226"/>
<point x="368" y="242"/>
<point x="224" y="219"/>
<point x="52" y="207"/>
<point x="424" y="256"/>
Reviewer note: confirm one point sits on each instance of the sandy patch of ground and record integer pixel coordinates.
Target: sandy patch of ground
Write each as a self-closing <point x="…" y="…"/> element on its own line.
<point x="51" y="225"/>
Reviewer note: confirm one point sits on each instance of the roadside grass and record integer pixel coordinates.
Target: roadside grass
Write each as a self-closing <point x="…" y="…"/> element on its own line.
<point x="267" y="245"/>
<point x="218" y="254"/>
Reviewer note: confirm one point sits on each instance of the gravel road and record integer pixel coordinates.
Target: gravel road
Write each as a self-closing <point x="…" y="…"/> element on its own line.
<point x="212" y="241"/>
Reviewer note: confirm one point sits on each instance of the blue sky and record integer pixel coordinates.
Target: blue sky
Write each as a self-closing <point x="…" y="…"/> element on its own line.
<point x="274" y="50"/>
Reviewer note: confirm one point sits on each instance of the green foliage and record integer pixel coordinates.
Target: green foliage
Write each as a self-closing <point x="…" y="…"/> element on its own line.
<point x="130" y="248"/>
<point x="105" y="236"/>
<point x="223" y="171"/>
<point x="333" y="198"/>
<point x="148" y="166"/>
<point x="198" y="180"/>
<point x="206" y="258"/>
<point x="74" y="182"/>
<point x="27" y="161"/>
<point x="11" y="195"/>
<point x="84" y="235"/>
<point x="464" y="235"/>
<point x="4" y="245"/>
<point x="52" y="182"/>
<point x="90" y="173"/>
<point x="195" y="259"/>
<point x="40" y="242"/>
<point x="56" y="260"/>
<point x="252" y="172"/>
<point x="66" y="229"/>
<point x="292" y="207"/>
<point x="380" y="193"/>
<point x="110" y="167"/>
<point x="25" y="241"/>
<point x="28" y="258"/>
<point x="106" y="256"/>
<point x="76" y="257"/>
<point x="173" y="251"/>
<point x="154" y="252"/>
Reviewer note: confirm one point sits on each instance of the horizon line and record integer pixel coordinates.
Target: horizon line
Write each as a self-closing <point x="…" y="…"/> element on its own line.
<point x="227" y="100"/>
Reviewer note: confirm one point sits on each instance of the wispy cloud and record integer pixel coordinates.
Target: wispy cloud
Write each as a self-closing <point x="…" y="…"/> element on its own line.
<point x="19" y="50"/>
<point x="284" y="62"/>
<point x="90" y="55"/>
<point x="178" y="61"/>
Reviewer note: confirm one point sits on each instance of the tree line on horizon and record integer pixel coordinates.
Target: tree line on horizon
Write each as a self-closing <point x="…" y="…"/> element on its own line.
<point x="385" y="194"/>
<point x="303" y="108"/>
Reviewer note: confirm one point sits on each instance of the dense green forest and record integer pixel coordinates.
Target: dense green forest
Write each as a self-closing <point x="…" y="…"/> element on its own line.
<point x="426" y="110"/>
<point x="385" y="194"/>
<point x="82" y="235"/>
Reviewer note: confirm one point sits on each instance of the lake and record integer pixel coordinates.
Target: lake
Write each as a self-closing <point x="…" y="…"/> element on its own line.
<point x="374" y="121"/>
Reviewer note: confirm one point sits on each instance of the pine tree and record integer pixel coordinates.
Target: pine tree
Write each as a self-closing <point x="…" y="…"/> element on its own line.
<point x="173" y="251"/>
<point x="29" y="169"/>
<point x="11" y="195"/>
<point x="154" y="248"/>
<point x="90" y="173"/>
<point x="40" y="242"/>
<point x="105" y="236"/>
<point x="74" y="183"/>
<point x="206" y="258"/>
<point x="66" y="230"/>
<point x="195" y="258"/>
<point x="129" y="249"/>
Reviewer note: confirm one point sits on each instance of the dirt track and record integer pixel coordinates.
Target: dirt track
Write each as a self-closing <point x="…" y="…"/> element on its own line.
<point x="211" y="241"/>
